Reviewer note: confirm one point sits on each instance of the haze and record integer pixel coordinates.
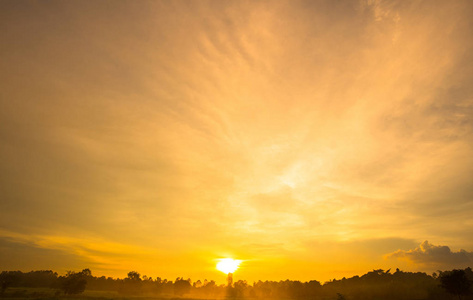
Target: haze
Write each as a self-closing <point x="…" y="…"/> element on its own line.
<point x="309" y="139"/>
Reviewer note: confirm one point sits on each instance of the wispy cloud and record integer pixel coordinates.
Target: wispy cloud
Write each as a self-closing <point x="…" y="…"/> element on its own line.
<point x="217" y="125"/>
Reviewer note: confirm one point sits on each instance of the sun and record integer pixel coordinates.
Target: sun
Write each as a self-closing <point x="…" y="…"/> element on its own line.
<point x="228" y="265"/>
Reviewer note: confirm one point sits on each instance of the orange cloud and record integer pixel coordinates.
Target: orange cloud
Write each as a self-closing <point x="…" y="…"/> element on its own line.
<point x="434" y="257"/>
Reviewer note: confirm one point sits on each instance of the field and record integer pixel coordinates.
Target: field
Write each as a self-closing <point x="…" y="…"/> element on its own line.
<point x="19" y="293"/>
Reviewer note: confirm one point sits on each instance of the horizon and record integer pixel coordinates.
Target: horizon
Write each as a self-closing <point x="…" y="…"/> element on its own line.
<point x="224" y="282"/>
<point x="306" y="139"/>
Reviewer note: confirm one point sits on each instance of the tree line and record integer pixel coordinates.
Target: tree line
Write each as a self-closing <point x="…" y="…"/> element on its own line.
<point x="376" y="284"/>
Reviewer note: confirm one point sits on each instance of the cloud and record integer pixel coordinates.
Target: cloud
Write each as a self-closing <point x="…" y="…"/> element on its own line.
<point x="432" y="256"/>
<point x="207" y="125"/>
<point x="66" y="251"/>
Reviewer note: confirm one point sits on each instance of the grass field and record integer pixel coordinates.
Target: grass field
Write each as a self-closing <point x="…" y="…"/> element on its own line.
<point x="19" y="293"/>
<point x="46" y="293"/>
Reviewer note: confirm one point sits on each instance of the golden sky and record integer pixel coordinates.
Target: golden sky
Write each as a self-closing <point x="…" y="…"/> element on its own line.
<point x="309" y="139"/>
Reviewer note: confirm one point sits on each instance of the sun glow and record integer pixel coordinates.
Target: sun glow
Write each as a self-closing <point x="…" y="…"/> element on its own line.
<point x="228" y="265"/>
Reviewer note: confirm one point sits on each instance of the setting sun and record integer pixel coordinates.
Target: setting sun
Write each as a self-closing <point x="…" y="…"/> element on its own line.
<point x="196" y="148"/>
<point x="228" y="265"/>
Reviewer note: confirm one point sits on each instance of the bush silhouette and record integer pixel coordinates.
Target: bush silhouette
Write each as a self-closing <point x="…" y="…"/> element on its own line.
<point x="182" y="287"/>
<point x="455" y="282"/>
<point x="74" y="283"/>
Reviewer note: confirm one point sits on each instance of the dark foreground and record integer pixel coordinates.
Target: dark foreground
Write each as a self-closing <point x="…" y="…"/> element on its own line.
<point x="374" y="285"/>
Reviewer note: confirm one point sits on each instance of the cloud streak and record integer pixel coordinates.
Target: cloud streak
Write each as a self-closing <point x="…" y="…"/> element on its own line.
<point x="187" y="125"/>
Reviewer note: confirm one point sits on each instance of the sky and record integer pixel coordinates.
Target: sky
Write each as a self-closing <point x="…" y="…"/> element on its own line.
<point x="309" y="139"/>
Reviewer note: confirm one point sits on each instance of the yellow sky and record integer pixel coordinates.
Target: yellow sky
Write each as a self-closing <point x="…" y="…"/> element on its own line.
<point x="311" y="140"/>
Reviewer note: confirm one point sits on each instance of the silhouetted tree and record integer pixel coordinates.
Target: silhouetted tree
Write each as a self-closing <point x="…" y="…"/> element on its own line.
<point x="455" y="282"/>
<point x="374" y="285"/>
<point x="74" y="283"/>
<point x="197" y="284"/>
<point x="132" y="284"/>
<point x="182" y="286"/>
<point x="133" y="275"/>
<point x="240" y="288"/>
<point x="3" y="282"/>
<point x="6" y="280"/>
<point x="87" y="272"/>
